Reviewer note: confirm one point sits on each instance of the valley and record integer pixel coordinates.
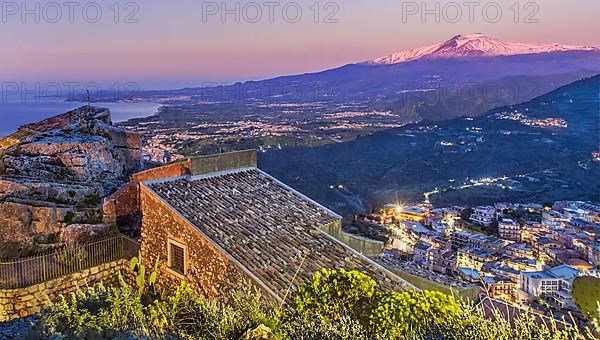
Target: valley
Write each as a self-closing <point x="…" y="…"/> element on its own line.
<point x="462" y="161"/>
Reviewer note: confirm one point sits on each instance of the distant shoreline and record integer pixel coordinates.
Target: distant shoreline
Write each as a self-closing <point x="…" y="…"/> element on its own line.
<point x="16" y="114"/>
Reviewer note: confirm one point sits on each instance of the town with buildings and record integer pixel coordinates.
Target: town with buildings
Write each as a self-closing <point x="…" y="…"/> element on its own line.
<point x="525" y="120"/>
<point x="221" y="222"/>
<point x="191" y="126"/>
<point x="526" y="255"/>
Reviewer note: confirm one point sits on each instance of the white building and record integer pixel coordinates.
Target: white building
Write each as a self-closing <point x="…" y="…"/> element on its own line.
<point x="484" y="215"/>
<point x="441" y="227"/>
<point x="553" y="216"/>
<point x="421" y="250"/>
<point x="538" y="283"/>
<point x="509" y="230"/>
<point x="567" y="274"/>
<point x="549" y="282"/>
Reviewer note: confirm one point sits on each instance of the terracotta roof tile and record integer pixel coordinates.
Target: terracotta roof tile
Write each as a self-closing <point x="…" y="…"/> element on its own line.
<point x="265" y="226"/>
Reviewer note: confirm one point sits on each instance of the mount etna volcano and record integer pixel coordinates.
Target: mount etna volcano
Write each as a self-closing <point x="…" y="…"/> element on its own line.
<point x="477" y="45"/>
<point x="465" y="75"/>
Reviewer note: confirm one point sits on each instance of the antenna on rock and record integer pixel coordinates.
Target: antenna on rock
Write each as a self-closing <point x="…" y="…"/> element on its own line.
<point x="89" y="105"/>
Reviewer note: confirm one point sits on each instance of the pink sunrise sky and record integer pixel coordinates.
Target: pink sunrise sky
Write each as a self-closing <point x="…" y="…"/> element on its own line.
<point x="172" y="45"/>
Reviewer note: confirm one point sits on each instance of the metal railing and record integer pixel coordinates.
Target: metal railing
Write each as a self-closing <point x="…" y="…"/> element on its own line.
<point x="71" y="259"/>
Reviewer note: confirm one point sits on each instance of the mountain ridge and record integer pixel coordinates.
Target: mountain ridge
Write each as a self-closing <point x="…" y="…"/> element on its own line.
<point x="475" y="45"/>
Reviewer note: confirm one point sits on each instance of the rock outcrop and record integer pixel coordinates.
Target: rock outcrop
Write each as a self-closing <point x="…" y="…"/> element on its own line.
<point x="79" y="233"/>
<point x="53" y="173"/>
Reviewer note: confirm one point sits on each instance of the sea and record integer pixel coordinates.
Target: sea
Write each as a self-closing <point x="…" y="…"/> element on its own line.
<point x="15" y="114"/>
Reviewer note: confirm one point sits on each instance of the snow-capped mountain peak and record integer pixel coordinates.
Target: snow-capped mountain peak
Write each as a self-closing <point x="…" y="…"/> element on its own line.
<point x="476" y="45"/>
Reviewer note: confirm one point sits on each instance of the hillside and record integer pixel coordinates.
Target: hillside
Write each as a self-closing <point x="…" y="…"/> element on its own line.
<point x="537" y="151"/>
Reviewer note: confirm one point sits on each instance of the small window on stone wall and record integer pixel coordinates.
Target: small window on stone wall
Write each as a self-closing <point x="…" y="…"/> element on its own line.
<point x="177" y="257"/>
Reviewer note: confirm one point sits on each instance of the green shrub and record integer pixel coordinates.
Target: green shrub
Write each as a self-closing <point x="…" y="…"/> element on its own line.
<point x="92" y="201"/>
<point x="336" y="305"/>
<point x="410" y="313"/>
<point x="586" y="293"/>
<point x="101" y="312"/>
<point x="472" y="323"/>
<point x="97" y="312"/>
<point x="69" y="217"/>
<point x="187" y="314"/>
<point x="302" y="327"/>
<point x="335" y="293"/>
<point x="343" y="305"/>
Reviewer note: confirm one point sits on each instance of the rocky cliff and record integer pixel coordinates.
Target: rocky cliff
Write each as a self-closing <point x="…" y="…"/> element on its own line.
<point x="53" y="174"/>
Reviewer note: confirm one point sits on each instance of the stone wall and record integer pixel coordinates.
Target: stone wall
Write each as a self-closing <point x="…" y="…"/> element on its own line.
<point x="209" y="269"/>
<point x="25" y="301"/>
<point x="200" y="165"/>
<point x="167" y="171"/>
<point x="123" y="206"/>
<point x="223" y="162"/>
<point x="362" y="245"/>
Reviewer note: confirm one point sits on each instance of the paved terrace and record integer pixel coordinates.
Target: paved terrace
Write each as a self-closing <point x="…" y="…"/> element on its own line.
<point x="266" y="226"/>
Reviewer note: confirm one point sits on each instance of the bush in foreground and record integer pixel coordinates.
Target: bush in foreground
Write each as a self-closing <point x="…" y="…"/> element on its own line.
<point x="334" y="294"/>
<point x="335" y="305"/>
<point x="411" y="313"/>
<point x="113" y="312"/>
<point x="586" y="293"/>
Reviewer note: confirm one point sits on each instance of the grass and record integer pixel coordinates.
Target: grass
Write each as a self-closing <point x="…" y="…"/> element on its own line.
<point x="334" y="305"/>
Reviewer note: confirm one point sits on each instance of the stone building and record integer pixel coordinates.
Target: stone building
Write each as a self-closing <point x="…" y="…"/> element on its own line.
<point x="220" y="223"/>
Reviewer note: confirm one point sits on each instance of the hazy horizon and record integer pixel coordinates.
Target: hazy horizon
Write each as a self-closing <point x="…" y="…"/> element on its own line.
<point x="189" y="43"/>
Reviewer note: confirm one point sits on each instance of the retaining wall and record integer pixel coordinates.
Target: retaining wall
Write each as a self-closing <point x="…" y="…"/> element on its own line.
<point x="31" y="300"/>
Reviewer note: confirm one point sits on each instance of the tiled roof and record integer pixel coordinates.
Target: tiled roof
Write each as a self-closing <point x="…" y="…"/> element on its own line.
<point x="266" y="226"/>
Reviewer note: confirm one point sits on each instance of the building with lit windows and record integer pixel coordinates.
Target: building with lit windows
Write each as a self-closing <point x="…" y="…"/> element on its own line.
<point x="485" y="215"/>
<point x="509" y="229"/>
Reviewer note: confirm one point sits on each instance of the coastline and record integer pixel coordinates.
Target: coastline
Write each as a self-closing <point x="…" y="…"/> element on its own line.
<point x="16" y="114"/>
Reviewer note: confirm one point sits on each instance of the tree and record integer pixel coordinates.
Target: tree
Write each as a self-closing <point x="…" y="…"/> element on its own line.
<point x="466" y="214"/>
<point x="586" y="293"/>
<point x="412" y="313"/>
<point x="335" y="293"/>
